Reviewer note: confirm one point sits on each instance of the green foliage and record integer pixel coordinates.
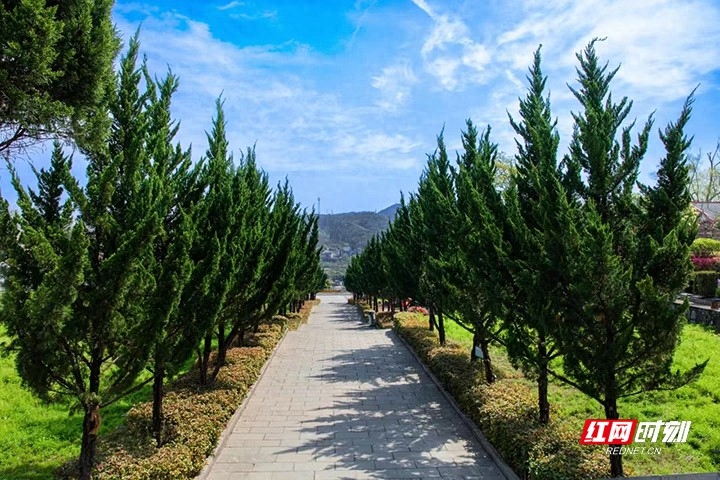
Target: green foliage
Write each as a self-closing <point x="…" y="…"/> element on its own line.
<point x="75" y="273"/>
<point x="705" y="283"/>
<point x="705" y="247"/>
<point x="194" y="418"/>
<point x="581" y="267"/>
<point x="55" y="69"/>
<point x="152" y="255"/>
<point x="504" y="410"/>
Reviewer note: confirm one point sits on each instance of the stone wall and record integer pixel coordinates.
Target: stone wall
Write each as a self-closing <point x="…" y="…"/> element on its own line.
<point x="704" y="315"/>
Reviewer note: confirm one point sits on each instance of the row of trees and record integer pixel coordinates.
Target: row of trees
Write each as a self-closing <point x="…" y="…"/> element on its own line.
<point x="153" y="260"/>
<point x="572" y="265"/>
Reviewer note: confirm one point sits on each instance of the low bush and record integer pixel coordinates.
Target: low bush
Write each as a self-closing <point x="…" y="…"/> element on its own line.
<point x="705" y="283"/>
<point x="506" y="411"/>
<point x="195" y="416"/>
<point x="384" y="320"/>
<point x="705" y="247"/>
<point x="706" y="263"/>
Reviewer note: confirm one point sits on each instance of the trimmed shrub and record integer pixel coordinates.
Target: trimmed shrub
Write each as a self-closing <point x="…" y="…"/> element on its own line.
<point x="195" y="416"/>
<point x="384" y="320"/>
<point x="705" y="283"/>
<point x="705" y="247"/>
<point x="706" y="263"/>
<point x="506" y="411"/>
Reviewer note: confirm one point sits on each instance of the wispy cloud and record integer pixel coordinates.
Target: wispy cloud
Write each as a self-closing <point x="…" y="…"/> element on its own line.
<point x="371" y="108"/>
<point x="394" y="83"/>
<point x="265" y="14"/>
<point x="296" y="127"/>
<point x="233" y="4"/>
<point x="449" y="51"/>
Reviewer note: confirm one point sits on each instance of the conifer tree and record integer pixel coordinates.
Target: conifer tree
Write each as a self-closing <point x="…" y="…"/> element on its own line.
<point x="400" y="253"/>
<point x="75" y="288"/>
<point x="171" y="264"/>
<point x="619" y="330"/>
<point x="534" y="202"/>
<point x="207" y="289"/>
<point x="480" y="236"/>
<point x="56" y="66"/>
<point x="436" y="199"/>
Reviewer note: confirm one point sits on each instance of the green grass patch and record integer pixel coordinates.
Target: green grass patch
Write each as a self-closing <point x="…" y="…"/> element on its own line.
<point x="36" y="438"/>
<point x="698" y="402"/>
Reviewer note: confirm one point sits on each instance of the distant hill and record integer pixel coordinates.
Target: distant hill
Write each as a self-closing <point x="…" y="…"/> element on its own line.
<point x="343" y="235"/>
<point x="390" y="211"/>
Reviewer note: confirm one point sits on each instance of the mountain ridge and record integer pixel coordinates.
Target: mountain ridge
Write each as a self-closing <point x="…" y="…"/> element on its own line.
<point x="343" y="235"/>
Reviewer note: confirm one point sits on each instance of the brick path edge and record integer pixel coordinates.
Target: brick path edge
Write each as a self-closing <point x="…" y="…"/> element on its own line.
<point x="484" y="442"/>
<point x="210" y="461"/>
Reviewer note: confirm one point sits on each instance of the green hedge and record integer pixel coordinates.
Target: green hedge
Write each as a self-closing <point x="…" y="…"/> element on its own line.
<point x="195" y="416"/>
<point x="705" y="283"/>
<point x="705" y="247"/>
<point x="505" y="411"/>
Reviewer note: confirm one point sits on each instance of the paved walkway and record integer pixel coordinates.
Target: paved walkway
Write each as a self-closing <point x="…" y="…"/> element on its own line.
<point x="340" y="400"/>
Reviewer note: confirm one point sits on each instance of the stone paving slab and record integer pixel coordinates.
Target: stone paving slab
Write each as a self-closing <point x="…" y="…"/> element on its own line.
<point x="340" y="400"/>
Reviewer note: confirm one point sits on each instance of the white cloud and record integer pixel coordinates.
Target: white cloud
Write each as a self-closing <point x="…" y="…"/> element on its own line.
<point x="295" y="126"/>
<point x="394" y="83"/>
<point x="449" y="51"/>
<point x="233" y="4"/>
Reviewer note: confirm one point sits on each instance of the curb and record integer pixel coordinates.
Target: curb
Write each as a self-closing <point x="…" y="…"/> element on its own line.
<point x="210" y="461"/>
<point x="479" y="436"/>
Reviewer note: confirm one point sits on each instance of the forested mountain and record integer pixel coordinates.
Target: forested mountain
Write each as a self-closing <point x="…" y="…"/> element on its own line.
<point x="343" y="235"/>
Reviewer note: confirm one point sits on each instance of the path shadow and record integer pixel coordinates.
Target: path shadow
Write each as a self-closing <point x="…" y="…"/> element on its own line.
<point x="387" y="419"/>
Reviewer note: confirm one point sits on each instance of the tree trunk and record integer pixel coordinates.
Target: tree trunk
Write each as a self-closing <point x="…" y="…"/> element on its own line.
<point x="204" y="359"/>
<point x="158" y="394"/>
<point x="475" y="344"/>
<point x="487" y="361"/>
<point x="431" y="319"/>
<point x="221" y="352"/>
<point x="611" y="413"/>
<point x="88" y="446"/>
<point x="543" y="402"/>
<point x="441" y="328"/>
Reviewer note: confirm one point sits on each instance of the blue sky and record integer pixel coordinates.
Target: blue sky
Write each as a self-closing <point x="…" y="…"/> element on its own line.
<point x="345" y="98"/>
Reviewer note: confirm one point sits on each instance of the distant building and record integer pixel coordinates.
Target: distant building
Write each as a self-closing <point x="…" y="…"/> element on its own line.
<point x="708" y="214"/>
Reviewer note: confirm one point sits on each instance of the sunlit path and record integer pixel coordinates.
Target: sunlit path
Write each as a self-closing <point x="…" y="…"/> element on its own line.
<point x="340" y="400"/>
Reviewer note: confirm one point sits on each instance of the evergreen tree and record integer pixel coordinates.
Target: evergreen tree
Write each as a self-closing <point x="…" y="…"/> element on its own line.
<point x="55" y="68"/>
<point x="482" y="285"/>
<point x="436" y="199"/>
<point x="75" y="288"/>
<point x="400" y="253"/>
<point x="171" y="264"/>
<point x="534" y="204"/>
<point x="619" y="330"/>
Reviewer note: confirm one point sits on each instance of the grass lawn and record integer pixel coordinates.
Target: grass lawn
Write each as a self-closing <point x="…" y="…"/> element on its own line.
<point x="36" y="438"/>
<point x="698" y="402"/>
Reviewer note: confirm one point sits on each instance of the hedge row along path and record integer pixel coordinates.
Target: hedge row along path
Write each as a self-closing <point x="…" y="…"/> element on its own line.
<point x="341" y="400"/>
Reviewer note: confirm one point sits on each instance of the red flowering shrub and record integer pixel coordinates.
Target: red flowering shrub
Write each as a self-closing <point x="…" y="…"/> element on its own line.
<point x="706" y="263"/>
<point x="416" y="309"/>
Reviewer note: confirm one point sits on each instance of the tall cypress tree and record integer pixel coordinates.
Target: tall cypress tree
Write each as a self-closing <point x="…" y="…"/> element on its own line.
<point x="78" y="320"/>
<point x="436" y="199"/>
<point x="482" y="286"/>
<point x="170" y="259"/>
<point x="209" y="284"/>
<point x="534" y="203"/>
<point x="619" y="330"/>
